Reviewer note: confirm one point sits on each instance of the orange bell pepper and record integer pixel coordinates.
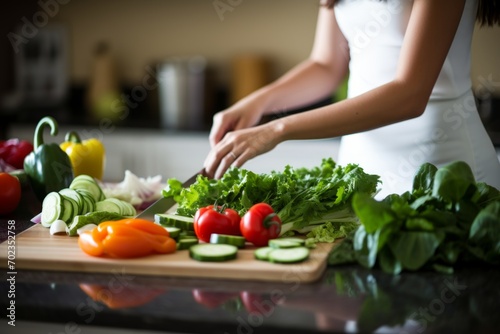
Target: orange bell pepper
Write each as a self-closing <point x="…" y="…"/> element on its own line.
<point x="127" y="238"/>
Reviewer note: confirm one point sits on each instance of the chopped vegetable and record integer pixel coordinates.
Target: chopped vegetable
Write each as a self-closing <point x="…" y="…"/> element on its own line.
<point x="235" y="240"/>
<point x="84" y="228"/>
<point x="303" y="198"/>
<point x="213" y="252"/>
<point x="446" y="220"/>
<point x="138" y="191"/>
<point x="172" y="220"/>
<point x="58" y="227"/>
<point x="260" y="224"/>
<point x="94" y="218"/>
<point x="127" y="238"/>
<point x="87" y="156"/>
<point x="216" y="219"/>
<point x="289" y="255"/>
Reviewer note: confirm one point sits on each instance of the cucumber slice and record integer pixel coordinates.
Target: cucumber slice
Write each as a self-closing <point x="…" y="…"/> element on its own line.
<point x="186" y="237"/>
<point x="90" y="184"/>
<point x="52" y="208"/>
<point x="108" y="206"/>
<point x="284" y="243"/>
<point x="188" y="234"/>
<point x="186" y="243"/>
<point x="129" y="209"/>
<point x="169" y="219"/>
<point x="88" y="199"/>
<point x="263" y="253"/>
<point x="289" y="255"/>
<point x="173" y="231"/>
<point x="227" y="239"/>
<point x="213" y="252"/>
<point x="71" y="211"/>
<point x="67" y="213"/>
<point x="76" y="196"/>
<point x="125" y="207"/>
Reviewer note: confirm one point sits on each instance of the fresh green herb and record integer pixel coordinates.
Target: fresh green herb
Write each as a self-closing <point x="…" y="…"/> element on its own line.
<point x="303" y="198"/>
<point x="447" y="219"/>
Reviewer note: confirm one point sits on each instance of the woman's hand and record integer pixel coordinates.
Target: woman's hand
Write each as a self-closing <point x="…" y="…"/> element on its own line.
<point x="237" y="147"/>
<point x="243" y="114"/>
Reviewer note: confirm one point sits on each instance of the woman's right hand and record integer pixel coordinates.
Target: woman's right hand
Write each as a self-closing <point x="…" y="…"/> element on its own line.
<point x="244" y="114"/>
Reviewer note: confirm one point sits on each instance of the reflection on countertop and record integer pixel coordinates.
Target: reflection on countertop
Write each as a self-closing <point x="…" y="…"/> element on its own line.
<point x="346" y="299"/>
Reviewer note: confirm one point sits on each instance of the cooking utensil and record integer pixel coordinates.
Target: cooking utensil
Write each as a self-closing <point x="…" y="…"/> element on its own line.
<point x="165" y="203"/>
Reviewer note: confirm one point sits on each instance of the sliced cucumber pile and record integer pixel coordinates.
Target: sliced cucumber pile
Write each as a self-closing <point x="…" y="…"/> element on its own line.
<point x="283" y="250"/>
<point x="181" y="229"/>
<point x="83" y="196"/>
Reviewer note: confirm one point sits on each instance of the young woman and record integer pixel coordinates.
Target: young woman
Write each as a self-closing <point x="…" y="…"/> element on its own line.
<point x="409" y="92"/>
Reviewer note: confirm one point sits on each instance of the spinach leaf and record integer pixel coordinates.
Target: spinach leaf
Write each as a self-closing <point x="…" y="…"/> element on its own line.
<point x="414" y="249"/>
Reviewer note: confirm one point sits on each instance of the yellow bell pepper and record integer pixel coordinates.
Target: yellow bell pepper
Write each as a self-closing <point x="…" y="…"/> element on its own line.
<point x="87" y="156"/>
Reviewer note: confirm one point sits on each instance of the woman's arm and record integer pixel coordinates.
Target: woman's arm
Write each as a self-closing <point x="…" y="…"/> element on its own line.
<point x="316" y="77"/>
<point x="311" y="80"/>
<point x="429" y="35"/>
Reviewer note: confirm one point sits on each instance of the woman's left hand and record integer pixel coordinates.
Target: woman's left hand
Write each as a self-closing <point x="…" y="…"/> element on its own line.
<point x="237" y="147"/>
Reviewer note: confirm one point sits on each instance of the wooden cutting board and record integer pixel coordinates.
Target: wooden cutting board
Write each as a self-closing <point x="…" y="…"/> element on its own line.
<point x="37" y="249"/>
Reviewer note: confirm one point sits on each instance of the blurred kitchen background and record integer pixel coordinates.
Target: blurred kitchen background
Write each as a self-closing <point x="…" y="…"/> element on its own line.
<point x="166" y="64"/>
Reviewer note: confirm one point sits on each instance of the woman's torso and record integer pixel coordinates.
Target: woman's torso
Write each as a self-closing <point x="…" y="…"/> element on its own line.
<point x="450" y="128"/>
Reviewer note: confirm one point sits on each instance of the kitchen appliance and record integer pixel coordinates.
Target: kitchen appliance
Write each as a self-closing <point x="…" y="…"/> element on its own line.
<point x="182" y="92"/>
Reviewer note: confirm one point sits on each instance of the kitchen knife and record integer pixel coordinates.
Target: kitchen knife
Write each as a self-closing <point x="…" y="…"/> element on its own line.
<point x="165" y="203"/>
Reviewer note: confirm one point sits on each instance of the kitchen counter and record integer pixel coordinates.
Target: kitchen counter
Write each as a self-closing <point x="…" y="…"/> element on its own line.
<point x="345" y="299"/>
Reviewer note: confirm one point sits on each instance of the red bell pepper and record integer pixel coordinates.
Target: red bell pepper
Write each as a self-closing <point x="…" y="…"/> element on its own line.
<point x="13" y="151"/>
<point x="216" y="219"/>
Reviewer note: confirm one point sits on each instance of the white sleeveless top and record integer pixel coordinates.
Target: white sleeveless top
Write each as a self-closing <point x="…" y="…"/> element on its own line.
<point x="450" y="128"/>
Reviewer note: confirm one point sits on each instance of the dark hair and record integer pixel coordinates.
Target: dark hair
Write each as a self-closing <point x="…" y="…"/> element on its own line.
<point x="488" y="11"/>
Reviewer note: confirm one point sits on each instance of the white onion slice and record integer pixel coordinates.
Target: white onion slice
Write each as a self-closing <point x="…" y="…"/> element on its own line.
<point x="58" y="227"/>
<point x="85" y="228"/>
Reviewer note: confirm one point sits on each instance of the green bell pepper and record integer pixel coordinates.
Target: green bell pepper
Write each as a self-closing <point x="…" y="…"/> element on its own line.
<point x="48" y="166"/>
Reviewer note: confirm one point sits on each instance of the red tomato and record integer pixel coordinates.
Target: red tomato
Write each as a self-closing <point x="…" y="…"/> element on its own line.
<point x="260" y="224"/>
<point x="10" y="193"/>
<point x="218" y="219"/>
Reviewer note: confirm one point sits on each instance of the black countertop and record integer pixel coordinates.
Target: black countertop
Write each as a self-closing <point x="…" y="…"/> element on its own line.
<point x="345" y="299"/>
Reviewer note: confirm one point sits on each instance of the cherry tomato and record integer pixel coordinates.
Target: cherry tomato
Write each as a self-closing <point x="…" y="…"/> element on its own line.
<point x="260" y="224"/>
<point x="127" y="238"/>
<point x="218" y="219"/>
<point x="10" y="193"/>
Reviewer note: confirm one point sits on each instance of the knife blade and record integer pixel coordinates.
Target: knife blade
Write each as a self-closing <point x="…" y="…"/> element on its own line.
<point x="163" y="204"/>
